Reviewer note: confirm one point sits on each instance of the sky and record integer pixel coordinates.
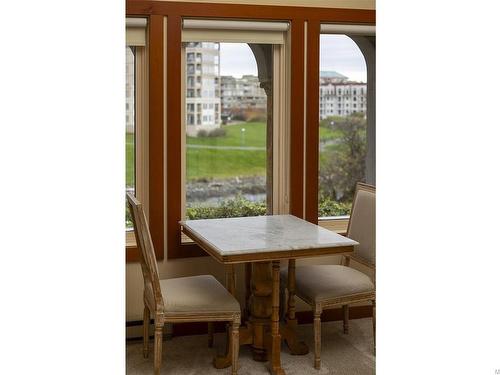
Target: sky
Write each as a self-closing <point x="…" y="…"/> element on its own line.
<point x="338" y="52"/>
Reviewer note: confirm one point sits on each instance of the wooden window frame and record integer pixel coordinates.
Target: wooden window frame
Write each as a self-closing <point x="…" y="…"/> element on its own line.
<point x="148" y="100"/>
<point x="140" y="143"/>
<point x="164" y="203"/>
<point x="141" y="134"/>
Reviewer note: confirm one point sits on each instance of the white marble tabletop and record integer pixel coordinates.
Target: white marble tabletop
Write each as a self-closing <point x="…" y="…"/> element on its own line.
<point x="263" y="234"/>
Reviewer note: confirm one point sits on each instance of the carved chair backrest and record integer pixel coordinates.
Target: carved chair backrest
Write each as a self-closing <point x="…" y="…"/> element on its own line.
<point x="152" y="290"/>
<point x="362" y="223"/>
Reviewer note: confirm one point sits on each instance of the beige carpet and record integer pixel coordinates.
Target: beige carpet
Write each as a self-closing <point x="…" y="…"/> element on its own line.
<point x="350" y="354"/>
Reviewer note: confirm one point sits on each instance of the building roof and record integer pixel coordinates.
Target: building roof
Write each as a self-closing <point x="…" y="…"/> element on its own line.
<point x="331" y="74"/>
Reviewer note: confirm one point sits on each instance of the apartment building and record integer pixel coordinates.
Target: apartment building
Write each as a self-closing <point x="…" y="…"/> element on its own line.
<point x="340" y="97"/>
<point x="203" y="103"/>
<point x="242" y="95"/>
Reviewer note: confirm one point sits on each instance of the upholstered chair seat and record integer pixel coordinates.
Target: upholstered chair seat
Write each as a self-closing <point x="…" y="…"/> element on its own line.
<point x="320" y="283"/>
<point x="203" y="294"/>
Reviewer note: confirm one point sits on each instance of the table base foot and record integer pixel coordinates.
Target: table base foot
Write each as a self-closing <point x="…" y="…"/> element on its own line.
<point x="290" y="336"/>
<point x="278" y="371"/>
<point x="259" y="354"/>
<point x="221" y="362"/>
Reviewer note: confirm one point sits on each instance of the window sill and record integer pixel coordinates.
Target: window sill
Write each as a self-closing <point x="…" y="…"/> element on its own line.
<point x="130" y="239"/>
<point x="335" y="224"/>
<point x="132" y="251"/>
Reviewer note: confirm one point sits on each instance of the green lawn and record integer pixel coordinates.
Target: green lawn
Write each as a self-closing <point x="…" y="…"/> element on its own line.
<point x="220" y="163"/>
<point x="326" y="134"/>
<point x="129" y="155"/>
<point x="213" y="163"/>
<point x="254" y="135"/>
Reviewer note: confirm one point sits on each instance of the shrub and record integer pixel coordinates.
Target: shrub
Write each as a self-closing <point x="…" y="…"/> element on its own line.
<point x="329" y="207"/>
<point x="202" y="133"/>
<point x="343" y="165"/>
<point x="218" y="132"/>
<point x="258" y="118"/>
<point x="236" y="207"/>
<point x="240" y="206"/>
<point x="128" y="218"/>
<point x="238" y="117"/>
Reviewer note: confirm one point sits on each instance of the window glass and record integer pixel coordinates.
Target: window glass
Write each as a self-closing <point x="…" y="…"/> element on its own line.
<point x="227" y="127"/>
<point x="129" y="127"/>
<point x="342" y="125"/>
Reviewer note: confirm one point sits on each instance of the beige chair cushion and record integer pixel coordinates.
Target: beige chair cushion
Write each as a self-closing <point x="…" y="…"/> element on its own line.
<point x="197" y="294"/>
<point x="319" y="283"/>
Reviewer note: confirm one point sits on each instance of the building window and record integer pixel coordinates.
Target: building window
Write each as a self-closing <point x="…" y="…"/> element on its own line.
<point x="343" y="137"/>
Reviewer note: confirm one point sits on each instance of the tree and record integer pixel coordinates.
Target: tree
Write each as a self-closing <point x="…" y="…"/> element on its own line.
<point x="343" y="158"/>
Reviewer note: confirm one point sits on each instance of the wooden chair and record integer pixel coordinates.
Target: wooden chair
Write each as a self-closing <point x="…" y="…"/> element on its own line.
<point x="185" y="299"/>
<point x="327" y="286"/>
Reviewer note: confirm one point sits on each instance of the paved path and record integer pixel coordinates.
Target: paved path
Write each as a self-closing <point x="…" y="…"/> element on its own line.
<point x="241" y="148"/>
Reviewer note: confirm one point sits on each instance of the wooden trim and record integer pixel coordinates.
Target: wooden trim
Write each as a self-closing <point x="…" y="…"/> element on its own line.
<point x="174" y="134"/>
<point x="175" y="248"/>
<point x="312" y="122"/>
<point x="132" y="254"/>
<point x="245" y="11"/>
<point x="175" y="11"/>
<point x="156" y="186"/>
<point x="296" y="192"/>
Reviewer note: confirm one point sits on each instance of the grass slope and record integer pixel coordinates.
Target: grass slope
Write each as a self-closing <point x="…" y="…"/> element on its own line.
<point x="219" y="163"/>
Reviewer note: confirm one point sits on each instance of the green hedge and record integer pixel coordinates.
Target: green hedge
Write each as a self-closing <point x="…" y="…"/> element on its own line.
<point x="329" y="207"/>
<point x="240" y="206"/>
<point x="237" y="207"/>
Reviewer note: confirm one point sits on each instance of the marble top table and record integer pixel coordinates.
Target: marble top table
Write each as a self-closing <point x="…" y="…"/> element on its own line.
<point x="244" y="239"/>
<point x="261" y="242"/>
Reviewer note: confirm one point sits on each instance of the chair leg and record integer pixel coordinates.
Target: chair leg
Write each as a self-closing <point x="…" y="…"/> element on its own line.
<point x="145" y="332"/>
<point x="373" y="319"/>
<point x="158" y="345"/>
<point x="317" y="337"/>
<point x="235" y="344"/>
<point x="210" y="334"/>
<point x="345" y="309"/>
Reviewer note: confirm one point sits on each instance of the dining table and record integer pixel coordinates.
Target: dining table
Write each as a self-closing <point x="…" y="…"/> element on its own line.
<point x="261" y="243"/>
